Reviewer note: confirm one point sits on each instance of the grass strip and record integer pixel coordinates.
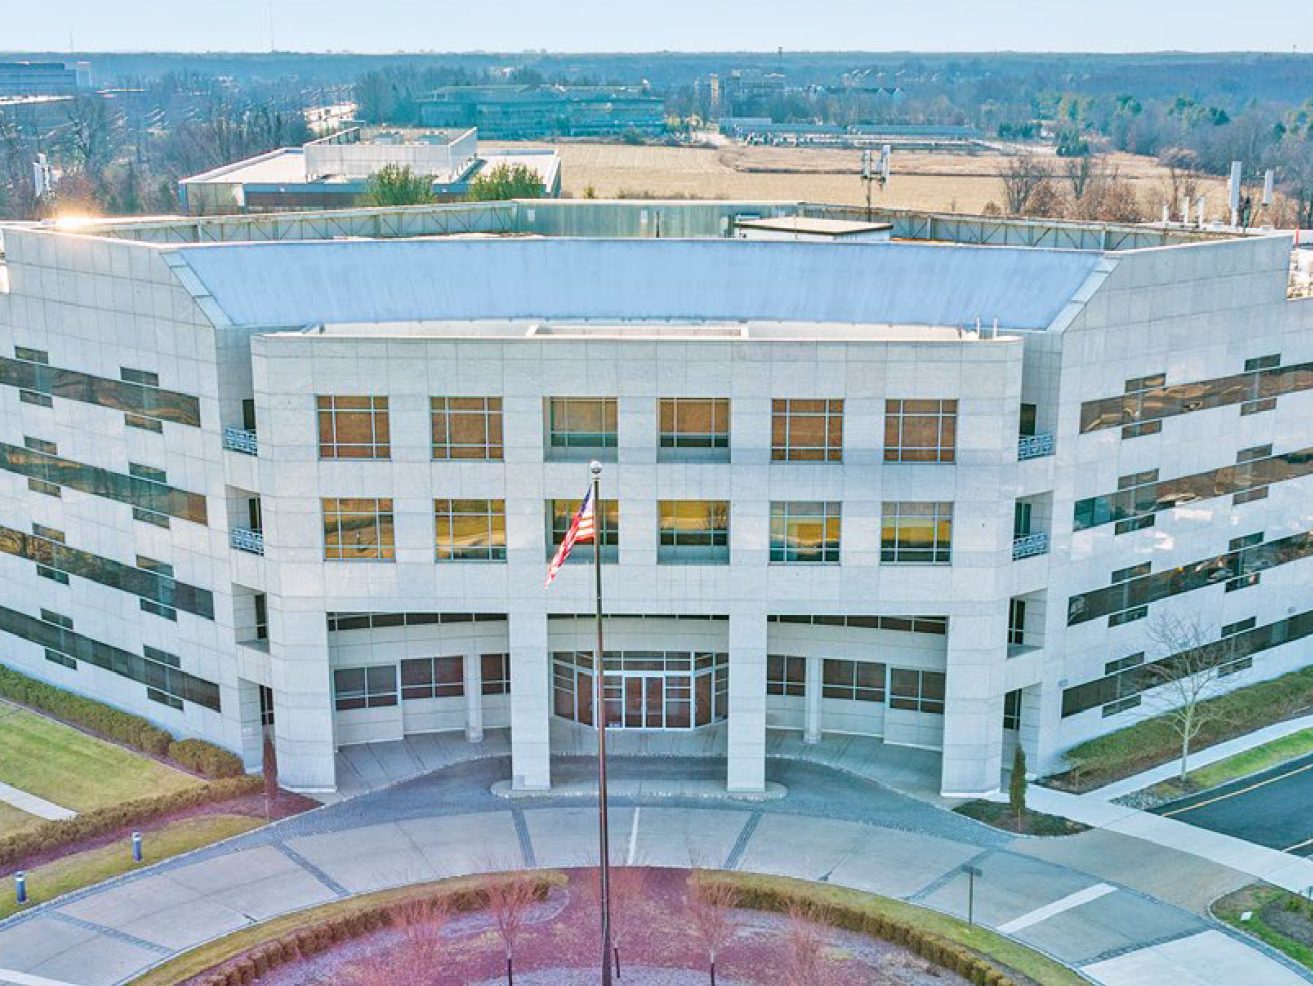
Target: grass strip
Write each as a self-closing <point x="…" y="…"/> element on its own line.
<point x="73" y="770"/>
<point x="86" y="868"/>
<point x="1257" y="899"/>
<point x="14" y="820"/>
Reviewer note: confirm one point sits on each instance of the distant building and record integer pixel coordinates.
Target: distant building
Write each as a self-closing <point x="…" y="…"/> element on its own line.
<point x="518" y="112"/>
<point x="334" y="172"/>
<point x="42" y="78"/>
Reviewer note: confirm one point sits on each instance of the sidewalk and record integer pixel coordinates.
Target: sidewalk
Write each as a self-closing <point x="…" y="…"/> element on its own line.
<point x="1293" y="873"/>
<point x="1210" y="755"/>
<point x="33" y="805"/>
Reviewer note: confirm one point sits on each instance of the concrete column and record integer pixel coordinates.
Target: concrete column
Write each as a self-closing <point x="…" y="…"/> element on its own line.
<point x="303" y="694"/>
<point x="473" y="675"/>
<point x="812" y="730"/>
<point x="746" y="747"/>
<point x="248" y="700"/>
<point x="531" y="767"/>
<point x="973" y="706"/>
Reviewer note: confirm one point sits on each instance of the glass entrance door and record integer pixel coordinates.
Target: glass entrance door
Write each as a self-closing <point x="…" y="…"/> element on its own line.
<point x="645" y="701"/>
<point x="644" y="690"/>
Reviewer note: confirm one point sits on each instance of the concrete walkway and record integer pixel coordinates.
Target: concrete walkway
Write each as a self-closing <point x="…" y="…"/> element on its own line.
<point x="33" y="805"/>
<point x="1054" y="895"/>
<point x="1205" y="757"/>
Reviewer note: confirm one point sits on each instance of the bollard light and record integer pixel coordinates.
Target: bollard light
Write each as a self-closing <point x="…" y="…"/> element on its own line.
<point x="136" y="847"/>
<point x="20" y="886"/>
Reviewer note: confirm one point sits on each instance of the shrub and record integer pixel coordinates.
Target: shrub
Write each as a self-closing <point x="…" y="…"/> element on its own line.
<point x="206" y="758"/>
<point x="97" y="717"/>
<point x="54" y="835"/>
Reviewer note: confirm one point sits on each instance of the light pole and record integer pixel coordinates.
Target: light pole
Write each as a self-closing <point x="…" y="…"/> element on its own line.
<point x="599" y="707"/>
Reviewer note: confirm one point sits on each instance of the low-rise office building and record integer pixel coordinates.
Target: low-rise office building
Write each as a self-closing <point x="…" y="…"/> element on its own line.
<point x="333" y="172"/>
<point x="940" y="493"/>
<point x="528" y="112"/>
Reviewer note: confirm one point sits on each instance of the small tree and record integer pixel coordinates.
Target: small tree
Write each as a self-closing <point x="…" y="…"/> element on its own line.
<point x="1017" y="785"/>
<point x="396" y="184"/>
<point x="1022" y="175"/>
<point x="1190" y="673"/>
<point x="416" y="955"/>
<point x="711" y="912"/>
<point x="506" y="181"/>
<point x="805" y="962"/>
<point x="509" y="900"/>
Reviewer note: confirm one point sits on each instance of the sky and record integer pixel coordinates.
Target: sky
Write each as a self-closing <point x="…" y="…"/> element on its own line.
<point x="678" y="25"/>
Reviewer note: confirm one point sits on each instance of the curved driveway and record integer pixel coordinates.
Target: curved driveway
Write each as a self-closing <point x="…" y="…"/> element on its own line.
<point x="830" y="827"/>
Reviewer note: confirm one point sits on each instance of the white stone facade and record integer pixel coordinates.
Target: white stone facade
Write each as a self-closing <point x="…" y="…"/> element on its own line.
<point x="1082" y="326"/>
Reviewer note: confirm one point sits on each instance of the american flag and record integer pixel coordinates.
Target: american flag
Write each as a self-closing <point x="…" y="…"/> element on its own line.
<point x="581" y="529"/>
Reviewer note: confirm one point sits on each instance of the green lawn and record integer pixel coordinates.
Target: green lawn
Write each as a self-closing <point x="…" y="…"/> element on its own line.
<point x="1241" y="765"/>
<point x="74" y="770"/>
<point x="12" y="820"/>
<point x="1264" y="904"/>
<point x="85" y="868"/>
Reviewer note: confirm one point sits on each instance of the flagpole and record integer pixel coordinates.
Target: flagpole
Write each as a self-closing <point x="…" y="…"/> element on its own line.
<point x="599" y="714"/>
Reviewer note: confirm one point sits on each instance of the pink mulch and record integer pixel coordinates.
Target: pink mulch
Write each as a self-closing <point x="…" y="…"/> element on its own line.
<point x="656" y="940"/>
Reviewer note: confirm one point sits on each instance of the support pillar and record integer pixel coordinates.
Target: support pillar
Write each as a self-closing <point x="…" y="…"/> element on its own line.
<point x="746" y="746"/>
<point x="472" y="668"/>
<point x="813" y="687"/>
<point x="303" y="694"/>
<point x="531" y="767"/>
<point x="973" y="703"/>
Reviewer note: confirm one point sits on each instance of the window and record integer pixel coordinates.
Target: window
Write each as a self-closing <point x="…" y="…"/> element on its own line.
<point x="60" y="658"/>
<point x="1124" y="663"/>
<point x="50" y="571"/>
<point x="36" y="484"/>
<point x="261" y="602"/>
<point x="786" y="675"/>
<point x="165" y="682"/>
<point x="151" y="605"/>
<point x="432" y="677"/>
<point x="496" y="673"/>
<point x="916" y="691"/>
<point x="467" y="428"/>
<point x="50" y="616"/>
<point x="917" y="534"/>
<point x="358" y="530"/>
<point x="155" y="478"/>
<point x="806" y="430"/>
<point x="146" y="379"/>
<point x="1129" y="608"/>
<point x="1257" y="402"/>
<point x="1231" y="629"/>
<point x="1245" y="563"/>
<point x="1249" y="475"/>
<point x="693" y="428"/>
<point x="607" y="517"/>
<point x="365" y="688"/>
<point x="266" y="706"/>
<point x="1143" y="406"/>
<point x="804" y="532"/>
<point x="470" y="530"/>
<point x="920" y="431"/>
<point x="1029" y="421"/>
<point x="855" y="681"/>
<point x="693" y="532"/>
<point x="39" y="393"/>
<point x="353" y="428"/>
<point x="583" y="425"/>
<point x="1012" y="710"/>
<point x="1017" y="622"/>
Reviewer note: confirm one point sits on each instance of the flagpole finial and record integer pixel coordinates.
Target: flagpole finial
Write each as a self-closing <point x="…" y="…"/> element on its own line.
<point x="595" y="468"/>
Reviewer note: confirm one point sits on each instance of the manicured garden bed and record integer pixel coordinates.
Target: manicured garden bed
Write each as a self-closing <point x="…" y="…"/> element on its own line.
<point x="1001" y="816"/>
<point x="1277" y="917"/>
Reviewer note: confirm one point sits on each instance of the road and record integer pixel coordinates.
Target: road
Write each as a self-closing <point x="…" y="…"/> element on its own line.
<point x="1273" y="808"/>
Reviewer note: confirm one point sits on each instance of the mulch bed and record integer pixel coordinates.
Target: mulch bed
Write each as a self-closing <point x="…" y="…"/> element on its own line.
<point x="1001" y="816"/>
<point x="559" y="944"/>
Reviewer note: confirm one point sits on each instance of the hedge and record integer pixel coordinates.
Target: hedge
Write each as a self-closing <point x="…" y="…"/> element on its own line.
<point x="929" y="945"/>
<point x="56" y="834"/>
<point x="326" y="933"/>
<point x="121" y="727"/>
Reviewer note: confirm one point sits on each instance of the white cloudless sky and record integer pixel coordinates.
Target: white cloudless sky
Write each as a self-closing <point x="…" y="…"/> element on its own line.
<point x="677" y="25"/>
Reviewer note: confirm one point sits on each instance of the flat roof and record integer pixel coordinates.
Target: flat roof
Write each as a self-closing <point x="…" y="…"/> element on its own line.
<point x="821" y="227"/>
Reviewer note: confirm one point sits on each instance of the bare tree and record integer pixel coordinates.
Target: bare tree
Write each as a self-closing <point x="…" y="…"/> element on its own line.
<point x="509" y="899"/>
<point x="413" y="960"/>
<point x="1079" y="171"/>
<point x="805" y="962"/>
<point x="1191" y="673"/>
<point x="1182" y="176"/>
<point x="711" y="912"/>
<point x="628" y="895"/>
<point x="1022" y="175"/>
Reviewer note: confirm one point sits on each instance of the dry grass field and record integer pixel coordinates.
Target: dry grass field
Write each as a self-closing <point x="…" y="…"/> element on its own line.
<point x="939" y="181"/>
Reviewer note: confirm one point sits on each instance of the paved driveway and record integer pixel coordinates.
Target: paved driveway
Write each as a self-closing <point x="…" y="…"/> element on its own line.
<point x="830" y="826"/>
<point x="1271" y="808"/>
